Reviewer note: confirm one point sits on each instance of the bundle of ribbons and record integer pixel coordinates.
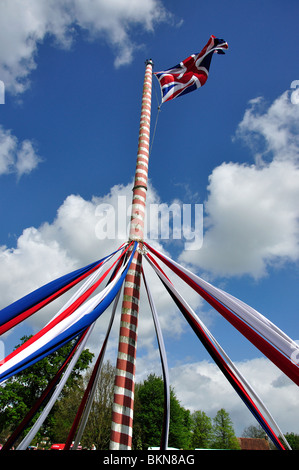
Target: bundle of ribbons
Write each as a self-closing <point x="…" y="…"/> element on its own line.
<point x="76" y="320"/>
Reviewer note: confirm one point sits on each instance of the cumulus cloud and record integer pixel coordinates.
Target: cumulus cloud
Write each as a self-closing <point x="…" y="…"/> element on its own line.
<point x="24" y="25"/>
<point x="201" y="386"/>
<point x="54" y="248"/>
<point x="15" y="156"/>
<point x="272" y="131"/>
<point x="252" y="221"/>
<point x="252" y="210"/>
<point x="71" y="241"/>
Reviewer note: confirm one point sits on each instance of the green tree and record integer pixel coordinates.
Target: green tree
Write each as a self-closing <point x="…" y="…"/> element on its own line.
<point x="20" y="392"/>
<point x="98" y="427"/>
<point x="148" y="416"/>
<point x="64" y="412"/>
<point x="254" y="432"/>
<point x="224" y="434"/>
<point x="293" y="440"/>
<point x="202" y="430"/>
<point x="180" y="424"/>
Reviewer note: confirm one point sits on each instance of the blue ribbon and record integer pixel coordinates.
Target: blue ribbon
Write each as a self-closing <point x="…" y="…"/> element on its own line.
<point x="71" y="332"/>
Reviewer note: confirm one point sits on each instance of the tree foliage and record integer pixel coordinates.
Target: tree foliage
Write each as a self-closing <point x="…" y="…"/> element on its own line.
<point x="293" y="440"/>
<point x="224" y="434"/>
<point x="20" y="392"/>
<point x="148" y="416"/>
<point x="202" y="430"/>
<point x="254" y="432"/>
<point x="186" y="431"/>
<point x="98" y="428"/>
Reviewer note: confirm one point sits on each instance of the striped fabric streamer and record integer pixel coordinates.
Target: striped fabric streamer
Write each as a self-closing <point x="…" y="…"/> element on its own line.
<point x="166" y="418"/>
<point x="39" y="422"/>
<point x="46" y="411"/>
<point x="229" y="370"/>
<point x="86" y="402"/>
<point x="42" y="399"/>
<point x="255" y="319"/>
<point x="273" y="343"/>
<point x="78" y="299"/>
<point x="58" y="333"/>
<point x="65" y="312"/>
<point x="23" y="308"/>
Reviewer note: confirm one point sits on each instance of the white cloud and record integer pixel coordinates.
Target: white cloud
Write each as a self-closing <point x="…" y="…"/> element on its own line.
<point x="46" y="252"/>
<point x="16" y="157"/>
<point x="69" y="242"/>
<point x="202" y="386"/>
<point x="252" y="211"/>
<point x="114" y="19"/>
<point x="24" y="25"/>
<point x="55" y="248"/>
<point x="252" y="221"/>
<point x="273" y="130"/>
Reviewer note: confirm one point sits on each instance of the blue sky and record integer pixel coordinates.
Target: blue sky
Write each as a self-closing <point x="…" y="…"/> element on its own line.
<point x="73" y="74"/>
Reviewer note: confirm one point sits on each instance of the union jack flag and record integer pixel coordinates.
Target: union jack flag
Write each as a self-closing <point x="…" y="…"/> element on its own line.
<point x="191" y="73"/>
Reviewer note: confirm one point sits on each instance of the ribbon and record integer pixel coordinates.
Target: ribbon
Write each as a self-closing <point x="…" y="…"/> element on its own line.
<point x="45" y="395"/>
<point x="63" y="331"/>
<point x="23" y="308"/>
<point x="39" y="422"/>
<point x="166" y="417"/>
<point x="270" y="350"/>
<point x="230" y="371"/>
<point x="85" y="405"/>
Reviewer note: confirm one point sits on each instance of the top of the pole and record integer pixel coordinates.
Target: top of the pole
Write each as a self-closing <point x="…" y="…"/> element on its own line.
<point x="149" y="62"/>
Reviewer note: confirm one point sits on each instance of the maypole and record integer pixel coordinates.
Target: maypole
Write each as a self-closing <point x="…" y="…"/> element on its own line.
<point x="78" y="316"/>
<point x="123" y="404"/>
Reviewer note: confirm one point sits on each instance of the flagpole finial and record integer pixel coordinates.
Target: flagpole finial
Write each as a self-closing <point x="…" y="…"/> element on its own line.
<point x="149" y="62"/>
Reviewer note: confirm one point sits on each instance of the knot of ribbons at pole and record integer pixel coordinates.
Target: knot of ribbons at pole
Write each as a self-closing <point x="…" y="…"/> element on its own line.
<point x="76" y="319"/>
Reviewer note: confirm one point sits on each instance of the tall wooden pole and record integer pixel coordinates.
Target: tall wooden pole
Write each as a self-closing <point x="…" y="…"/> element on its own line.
<point x="123" y="405"/>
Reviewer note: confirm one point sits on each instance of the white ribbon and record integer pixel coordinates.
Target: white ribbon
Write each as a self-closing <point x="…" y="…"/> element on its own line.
<point x="164" y="443"/>
<point x="251" y="316"/>
<point x="39" y="422"/>
<point x="237" y="373"/>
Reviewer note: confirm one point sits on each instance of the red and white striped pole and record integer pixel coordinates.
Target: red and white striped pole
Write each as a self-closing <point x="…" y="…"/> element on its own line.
<point x="123" y="405"/>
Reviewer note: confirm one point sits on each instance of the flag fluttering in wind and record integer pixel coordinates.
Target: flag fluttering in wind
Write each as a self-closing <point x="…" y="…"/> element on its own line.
<point x="191" y="73"/>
